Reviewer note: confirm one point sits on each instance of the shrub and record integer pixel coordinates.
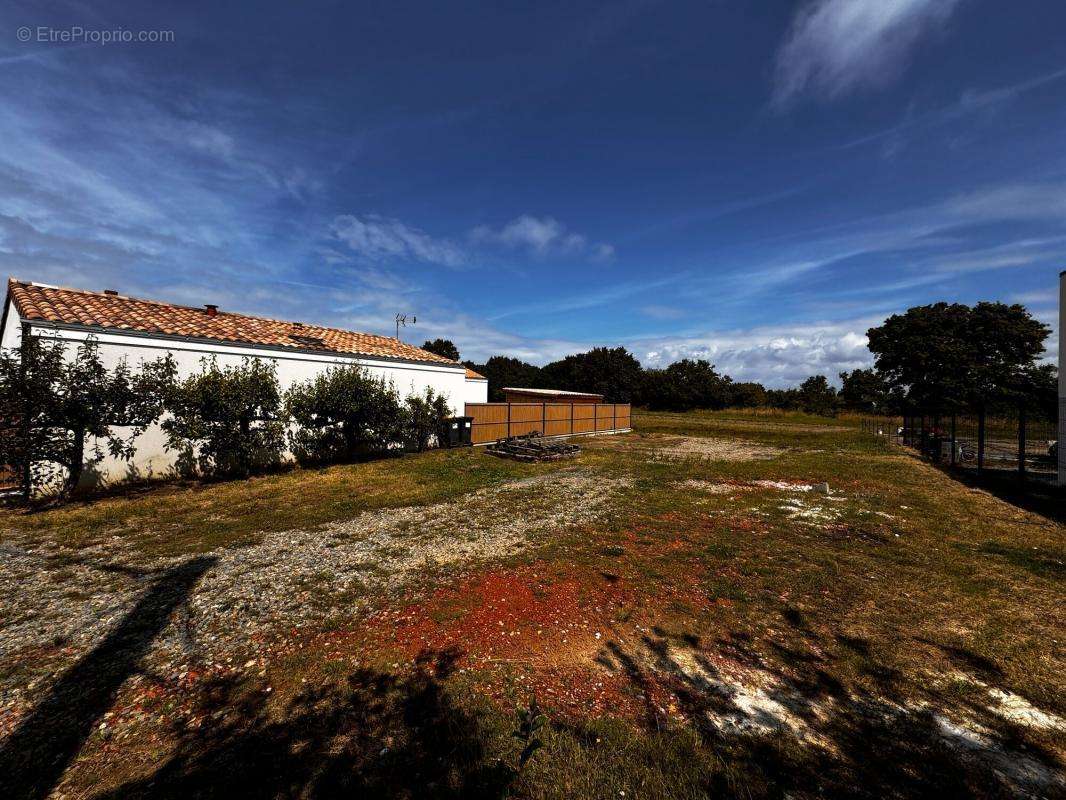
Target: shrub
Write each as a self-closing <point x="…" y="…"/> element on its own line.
<point x="227" y="421"/>
<point x="341" y="414"/>
<point x="422" y="415"/>
<point x="54" y="402"/>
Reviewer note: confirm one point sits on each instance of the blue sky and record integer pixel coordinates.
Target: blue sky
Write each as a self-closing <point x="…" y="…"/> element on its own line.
<point x="751" y="182"/>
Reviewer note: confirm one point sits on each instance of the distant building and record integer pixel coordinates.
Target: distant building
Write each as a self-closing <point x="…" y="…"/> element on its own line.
<point x="513" y="395"/>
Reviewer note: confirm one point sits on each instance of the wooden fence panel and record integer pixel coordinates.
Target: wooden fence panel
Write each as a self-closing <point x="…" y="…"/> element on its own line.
<point x="584" y="418"/>
<point x="492" y="421"/>
<point x="557" y="419"/>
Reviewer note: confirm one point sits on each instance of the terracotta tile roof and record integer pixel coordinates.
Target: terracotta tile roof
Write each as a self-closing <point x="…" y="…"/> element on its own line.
<point x="475" y="376"/>
<point x="115" y="312"/>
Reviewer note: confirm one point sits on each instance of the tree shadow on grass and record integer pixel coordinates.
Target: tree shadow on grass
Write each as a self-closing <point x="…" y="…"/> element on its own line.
<point x="372" y="735"/>
<point x="35" y="755"/>
<point x="1037" y="495"/>
<point x="799" y="731"/>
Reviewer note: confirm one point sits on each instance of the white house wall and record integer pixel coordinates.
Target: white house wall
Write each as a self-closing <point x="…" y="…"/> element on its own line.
<point x="476" y="391"/>
<point x="152" y="458"/>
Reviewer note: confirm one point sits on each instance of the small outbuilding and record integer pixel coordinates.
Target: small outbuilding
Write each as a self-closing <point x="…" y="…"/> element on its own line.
<point x="515" y="395"/>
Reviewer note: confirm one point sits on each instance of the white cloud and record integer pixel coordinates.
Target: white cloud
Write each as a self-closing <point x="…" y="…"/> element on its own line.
<point x="378" y="238"/>
<point x="1040" y="297"/>
<point x="776" y="355"/>
<point x="541" y="236"/>
<point x="839" y="46"/>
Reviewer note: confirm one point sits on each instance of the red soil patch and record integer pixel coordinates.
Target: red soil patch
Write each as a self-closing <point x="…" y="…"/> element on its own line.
<point x="528" y="615"/>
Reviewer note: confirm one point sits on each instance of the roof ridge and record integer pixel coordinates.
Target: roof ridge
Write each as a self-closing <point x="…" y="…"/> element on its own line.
<point x="167" y="304"/>
<point x="27" y="297"/>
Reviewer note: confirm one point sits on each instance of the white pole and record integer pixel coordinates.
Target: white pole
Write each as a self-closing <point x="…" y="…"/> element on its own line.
<point x="1062" y="378"/>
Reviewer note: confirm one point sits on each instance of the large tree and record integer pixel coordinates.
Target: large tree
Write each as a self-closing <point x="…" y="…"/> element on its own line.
<point x="864" y="390"/>
<point x="748" y="394"/>
<point x="612" y="372"/>
<point x="504" y="371"/>
<point x="442" y="347"/>
<point x="816" y="396"/>
<point x="685" y="385"/>
<point x="945" y="356"/>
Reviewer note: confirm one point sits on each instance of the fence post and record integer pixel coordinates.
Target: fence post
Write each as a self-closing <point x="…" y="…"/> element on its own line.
<point x="508" y="421"/>
<point x="1021" y="442"/>
<point x="614" y="417"/>
<point x="571" y="419"/>
<point x="953" y="417"/>
<point x="980" y="440"/>
<point x="544" y="419"/>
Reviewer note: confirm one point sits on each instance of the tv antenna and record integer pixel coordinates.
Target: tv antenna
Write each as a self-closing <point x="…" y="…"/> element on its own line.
<point x="401" y="322"/>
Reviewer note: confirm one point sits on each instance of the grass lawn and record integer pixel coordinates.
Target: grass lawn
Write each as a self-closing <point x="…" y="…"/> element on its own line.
<point x="695" y="617"/>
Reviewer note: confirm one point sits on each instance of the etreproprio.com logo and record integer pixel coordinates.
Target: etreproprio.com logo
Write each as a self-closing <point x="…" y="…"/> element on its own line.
<point x="76" y="34"/>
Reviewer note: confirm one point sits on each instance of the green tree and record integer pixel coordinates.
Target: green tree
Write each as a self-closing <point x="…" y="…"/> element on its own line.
<point x="442" y="347"/>
<point x="227" y="421"/>
<point x="1039" y="392"/>
<point x="864" y="390"/>
<point x="816" y="396"/>
<point x="784" y="399"/>
<point x="748" y="395"/>
<point x="504" y="371"/>
<point x="421" y="418"/>
<point x="612" y="372"/>
<point x="685" y="385"/>
<point x="57" y="403"/>
<point x="342" y="413"/>
<point x="945" y="356"/>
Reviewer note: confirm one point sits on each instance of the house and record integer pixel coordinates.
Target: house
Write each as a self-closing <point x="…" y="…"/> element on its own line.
<point x="142" y="330"/>
<point x="515" y="395"/>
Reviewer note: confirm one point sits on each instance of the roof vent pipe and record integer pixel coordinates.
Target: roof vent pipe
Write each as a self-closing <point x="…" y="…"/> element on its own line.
<point x="212" y="310"/>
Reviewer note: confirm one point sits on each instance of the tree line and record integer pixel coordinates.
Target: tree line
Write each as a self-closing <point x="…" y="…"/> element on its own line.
<point x="936" y="358"/>
<point x="66" y="412"/>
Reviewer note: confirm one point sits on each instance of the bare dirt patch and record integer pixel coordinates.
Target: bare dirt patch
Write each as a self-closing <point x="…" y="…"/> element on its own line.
<point x="711" y="487"/>
<point x="710" y="449"/>
<point x="55" y="602"/>
<point x="660" y="447"/>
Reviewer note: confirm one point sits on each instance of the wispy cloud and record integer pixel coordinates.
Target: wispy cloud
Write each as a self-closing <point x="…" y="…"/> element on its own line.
<point x="591" y="299"/>
<point x="656" y="311"/>
<point x="377" y="238"/>
<point x="835" y="47"/>
<point x="1030" y="201"/>
<point x="541" y="236"/>
<point x="972" y="101"/>
<point x="1040" y="297"/>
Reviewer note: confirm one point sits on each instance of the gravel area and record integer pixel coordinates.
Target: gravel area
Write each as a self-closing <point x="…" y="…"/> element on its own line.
<point x="710" y="449"/>
<point x="660" y="447"/>
<point x="59" y="601"/>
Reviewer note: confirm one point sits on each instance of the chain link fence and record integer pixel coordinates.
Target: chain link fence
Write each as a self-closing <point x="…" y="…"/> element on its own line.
<point x="1002" y="443"/>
